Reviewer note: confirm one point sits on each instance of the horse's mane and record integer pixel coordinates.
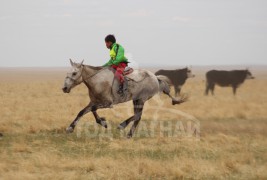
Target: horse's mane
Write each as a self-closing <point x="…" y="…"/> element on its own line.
<point x="95" y="67"/>
<point x="99" y="68"/>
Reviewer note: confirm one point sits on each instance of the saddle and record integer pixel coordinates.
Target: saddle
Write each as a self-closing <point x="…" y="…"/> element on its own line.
<point x="136" y="75"/>
<point x="132" y="75"/>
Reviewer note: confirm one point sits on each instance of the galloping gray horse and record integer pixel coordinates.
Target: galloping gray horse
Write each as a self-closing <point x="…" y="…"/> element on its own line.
<point x="102" y="86"/>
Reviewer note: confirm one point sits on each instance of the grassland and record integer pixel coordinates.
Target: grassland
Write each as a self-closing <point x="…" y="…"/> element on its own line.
<point x="34" y="114"/>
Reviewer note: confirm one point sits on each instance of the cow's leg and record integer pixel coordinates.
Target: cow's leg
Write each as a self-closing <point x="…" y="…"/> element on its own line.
<point x="100" y="120"/>
<point x="207" y="89"/>
<point x="212" y="86"/>
<point x="177" y="90"/>
<point x="234" y="89"/>
<point x="85" y="110"/>
<point x="138" y="109"/>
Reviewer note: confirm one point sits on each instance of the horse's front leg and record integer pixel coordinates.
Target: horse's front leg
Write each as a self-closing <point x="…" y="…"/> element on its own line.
<point x="85" y="110"/>
<point x="100" y="120"/>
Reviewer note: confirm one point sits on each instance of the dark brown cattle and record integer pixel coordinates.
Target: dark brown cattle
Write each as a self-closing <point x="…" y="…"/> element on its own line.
<point x="232" y="78"/>
<point x="177" y="77"/>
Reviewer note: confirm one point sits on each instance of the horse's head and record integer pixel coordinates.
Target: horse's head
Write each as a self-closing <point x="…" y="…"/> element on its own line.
<point x="74" y="77"/>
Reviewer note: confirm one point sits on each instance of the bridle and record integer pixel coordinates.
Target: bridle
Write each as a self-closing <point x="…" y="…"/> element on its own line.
<point x="74" y="80"/>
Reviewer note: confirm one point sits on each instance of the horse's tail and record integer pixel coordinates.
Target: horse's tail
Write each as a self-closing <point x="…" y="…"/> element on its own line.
<point x="164" y="86"/>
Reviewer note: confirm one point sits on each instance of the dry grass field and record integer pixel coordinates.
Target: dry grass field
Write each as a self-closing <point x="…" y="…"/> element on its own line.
<point x="34" y="112"/>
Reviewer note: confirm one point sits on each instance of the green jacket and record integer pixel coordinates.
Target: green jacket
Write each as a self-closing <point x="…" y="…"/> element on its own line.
<point x="116" y="58"/>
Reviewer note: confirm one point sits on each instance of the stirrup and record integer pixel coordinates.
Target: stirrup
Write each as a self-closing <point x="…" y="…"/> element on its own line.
<point x="120" y="90"/>
<point x="125" y="85"/>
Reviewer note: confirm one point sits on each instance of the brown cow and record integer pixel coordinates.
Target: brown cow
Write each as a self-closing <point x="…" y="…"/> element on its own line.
<point x="177" y="77"/>
<point x="232" y="78"/>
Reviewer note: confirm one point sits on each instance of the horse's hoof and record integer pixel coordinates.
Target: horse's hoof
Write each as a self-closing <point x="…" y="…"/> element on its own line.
<point x="120" y="127"/>
<point x="104" y="124"/>
<point x="129" y="136"/>
<point x="69" y="129"/>
<point x="174" y="102"/>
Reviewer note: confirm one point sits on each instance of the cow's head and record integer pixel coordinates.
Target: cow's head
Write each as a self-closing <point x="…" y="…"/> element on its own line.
<point x="189" y="73"/>
<point x="249" y="75"/>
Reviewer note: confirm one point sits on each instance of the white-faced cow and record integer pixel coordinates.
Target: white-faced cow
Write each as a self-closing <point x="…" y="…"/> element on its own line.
<point x="177" y="77"/>
<point x="232" y="78"/>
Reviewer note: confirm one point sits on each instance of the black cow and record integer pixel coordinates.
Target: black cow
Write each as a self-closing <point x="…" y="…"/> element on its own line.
<point x="177" y="77"/>
<point x="232" y="78"/>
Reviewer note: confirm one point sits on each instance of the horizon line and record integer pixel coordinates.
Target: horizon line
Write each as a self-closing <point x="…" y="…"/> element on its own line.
<point x="146" y="65"/>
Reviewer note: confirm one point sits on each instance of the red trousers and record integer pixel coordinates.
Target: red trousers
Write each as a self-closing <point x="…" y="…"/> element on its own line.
<point x="119" y="71"/>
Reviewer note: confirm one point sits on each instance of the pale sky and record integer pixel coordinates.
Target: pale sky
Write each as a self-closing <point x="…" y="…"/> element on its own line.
<point x="153" y="32"/>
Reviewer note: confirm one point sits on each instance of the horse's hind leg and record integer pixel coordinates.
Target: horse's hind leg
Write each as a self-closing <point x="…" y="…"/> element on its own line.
<point x="177" y="90"/>
<point x="165" y="88"/>
<point x="174" y="100"/>
<point x="125" y="123"/>
<point x="138" y="109"/>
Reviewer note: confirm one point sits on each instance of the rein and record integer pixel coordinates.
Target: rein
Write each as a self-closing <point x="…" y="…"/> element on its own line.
<point x="93" y="74"/>
<point x="84" y="79"/>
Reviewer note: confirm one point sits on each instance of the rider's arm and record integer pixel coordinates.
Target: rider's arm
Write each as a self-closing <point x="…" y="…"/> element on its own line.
<point x="109" y="63"/>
